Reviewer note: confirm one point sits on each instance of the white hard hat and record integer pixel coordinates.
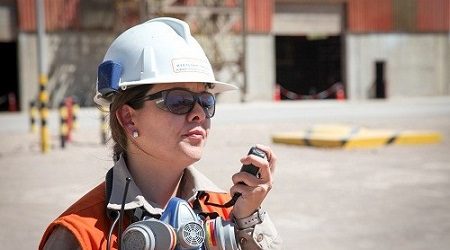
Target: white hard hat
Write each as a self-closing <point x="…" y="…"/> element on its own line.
<point x="161" y="50"/>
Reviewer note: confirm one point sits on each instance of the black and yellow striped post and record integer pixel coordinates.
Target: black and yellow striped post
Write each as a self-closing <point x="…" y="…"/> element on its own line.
<point x="75" y="111"/>
<point x="68" y="101"/>
<point x="44" y="113"/>
<point x="63" y="127"/>
<point x="34" y="113"/>
<point x="43" y="79"/>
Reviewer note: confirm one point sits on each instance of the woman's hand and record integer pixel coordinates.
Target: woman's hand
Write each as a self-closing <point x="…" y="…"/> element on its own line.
<point x="253" y="189"/>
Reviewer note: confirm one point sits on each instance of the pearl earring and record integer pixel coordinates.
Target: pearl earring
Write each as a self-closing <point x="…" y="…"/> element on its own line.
<point x="135" y="134"/>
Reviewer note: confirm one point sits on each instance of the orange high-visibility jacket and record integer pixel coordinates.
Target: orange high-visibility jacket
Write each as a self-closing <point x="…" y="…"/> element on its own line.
<point x="89" y="223"/>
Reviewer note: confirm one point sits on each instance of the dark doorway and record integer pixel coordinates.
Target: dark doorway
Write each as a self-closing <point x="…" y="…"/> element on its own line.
<point x="380" y="83"/>
<point x="309" y="68"/>
<point x="9" y="87"/>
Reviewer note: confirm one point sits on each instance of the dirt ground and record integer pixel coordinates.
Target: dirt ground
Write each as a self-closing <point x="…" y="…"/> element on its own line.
<point x="392" y="197"/>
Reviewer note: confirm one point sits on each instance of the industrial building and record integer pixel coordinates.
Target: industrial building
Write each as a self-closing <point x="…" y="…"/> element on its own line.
<point x="306" y="49"/>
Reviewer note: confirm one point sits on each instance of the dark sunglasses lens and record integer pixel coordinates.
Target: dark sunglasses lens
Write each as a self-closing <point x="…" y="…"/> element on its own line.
<point x="179" y="101"/>
<point x="208" y="102"/>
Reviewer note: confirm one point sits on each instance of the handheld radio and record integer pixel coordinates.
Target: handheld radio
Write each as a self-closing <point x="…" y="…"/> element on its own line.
<point x="250" y="168"/>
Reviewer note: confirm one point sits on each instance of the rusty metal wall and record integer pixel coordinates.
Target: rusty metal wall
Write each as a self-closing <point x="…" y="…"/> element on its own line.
<point x="363" y="15"/>
<point x="404" y="14"/>
<point x="26" y="15"/>
<point x="369" y="15"/>
<point x="433" y="15"/>
<point x="398" y="16"/>
<point x="259" y="15"/>
<point x="59" y="14"/>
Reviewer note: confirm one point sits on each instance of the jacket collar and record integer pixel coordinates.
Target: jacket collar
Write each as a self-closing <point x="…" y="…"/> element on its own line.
<point x="191" y="183"/>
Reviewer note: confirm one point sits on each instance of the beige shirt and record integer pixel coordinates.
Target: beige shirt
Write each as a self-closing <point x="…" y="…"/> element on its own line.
<point x="262" y="236"/>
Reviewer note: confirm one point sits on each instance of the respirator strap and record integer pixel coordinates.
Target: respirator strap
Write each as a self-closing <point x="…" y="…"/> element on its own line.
<point x="136" y="214"/>
<point x="115" y="216"/>
<point x="197" y="207"/>
<point x="112" y="215"/>
<point x="202" y="194"/>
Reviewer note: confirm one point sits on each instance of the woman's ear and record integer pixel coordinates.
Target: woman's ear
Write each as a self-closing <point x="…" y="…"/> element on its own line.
<point x="124" y="115"/>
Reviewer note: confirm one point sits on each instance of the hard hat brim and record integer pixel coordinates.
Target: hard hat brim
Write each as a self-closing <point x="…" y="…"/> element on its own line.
<point x="218" y="87"/>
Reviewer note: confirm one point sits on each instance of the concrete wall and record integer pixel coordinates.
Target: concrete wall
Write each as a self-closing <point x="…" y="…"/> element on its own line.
<point x="416" y="64"/>
<point x="225" y="51"/>
<point x="260" y="67"/>
<point x="307" y="19"/>
<point x="28" y="69"/>
<point x="72" y="61"/>
<point x="8" y="21"/>
<point x="73" y="58"/>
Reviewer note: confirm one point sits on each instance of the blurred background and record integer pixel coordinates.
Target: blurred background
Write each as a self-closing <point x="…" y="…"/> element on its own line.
<point x="376" y="64"/>
<point x="304" y="49"/>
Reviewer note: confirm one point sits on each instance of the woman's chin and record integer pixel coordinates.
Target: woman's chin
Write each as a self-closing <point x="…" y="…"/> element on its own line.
<point x="194" y="152"/>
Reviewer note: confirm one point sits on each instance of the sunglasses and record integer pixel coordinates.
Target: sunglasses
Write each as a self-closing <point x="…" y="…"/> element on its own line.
<point x="181" y="101"/>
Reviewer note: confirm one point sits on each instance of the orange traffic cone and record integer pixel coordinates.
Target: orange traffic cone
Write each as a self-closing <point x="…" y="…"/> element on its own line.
<point x="340" y="94"/>
<point x="12" y="102"/>
<point x="277" y="93"/>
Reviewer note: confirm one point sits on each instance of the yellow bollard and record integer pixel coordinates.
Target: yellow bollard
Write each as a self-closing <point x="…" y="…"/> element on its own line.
<point x="43" y="107"/>
<point x="68" y="101"/>
<point x="75" y="111"/>
<point x="63" y="128"/>
<point x="34" y="112"/>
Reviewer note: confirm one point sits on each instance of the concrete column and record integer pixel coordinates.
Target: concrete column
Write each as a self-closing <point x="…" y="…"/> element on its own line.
<point x="260" y="67"/>
<point x="28" y="73"/>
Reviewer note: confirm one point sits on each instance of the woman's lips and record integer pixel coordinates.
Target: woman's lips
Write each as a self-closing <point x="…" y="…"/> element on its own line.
<point x="196" y="135"/>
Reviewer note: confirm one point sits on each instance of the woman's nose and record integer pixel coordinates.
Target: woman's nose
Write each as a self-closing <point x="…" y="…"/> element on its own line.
<point x="197" y="113"/>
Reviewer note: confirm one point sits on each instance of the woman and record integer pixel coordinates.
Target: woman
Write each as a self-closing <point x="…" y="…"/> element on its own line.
<point x="159" y="87"/>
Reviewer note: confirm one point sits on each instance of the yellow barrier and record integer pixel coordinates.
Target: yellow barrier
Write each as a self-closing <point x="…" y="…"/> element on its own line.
<point x="342" y="136"/>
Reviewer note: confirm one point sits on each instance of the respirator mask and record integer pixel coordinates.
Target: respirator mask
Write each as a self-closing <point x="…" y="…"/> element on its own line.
<point x="179" y="228"/>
